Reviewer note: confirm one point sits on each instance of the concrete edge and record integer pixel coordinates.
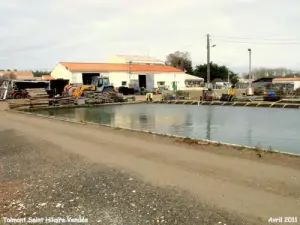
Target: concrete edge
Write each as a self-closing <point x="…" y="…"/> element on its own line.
<point x="235" y="103"/>
<point x="76" y="106"/>
<point x="200" y="140"/>
<point x="250" y="148"/>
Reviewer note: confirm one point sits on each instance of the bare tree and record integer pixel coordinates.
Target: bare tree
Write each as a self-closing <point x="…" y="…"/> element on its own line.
<point x="180" y="60"/>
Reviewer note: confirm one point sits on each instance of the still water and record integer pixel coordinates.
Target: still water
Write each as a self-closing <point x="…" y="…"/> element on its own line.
<point x="263" y="127"/>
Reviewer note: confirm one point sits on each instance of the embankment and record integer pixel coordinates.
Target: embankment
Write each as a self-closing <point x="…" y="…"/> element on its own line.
<point x="236" y="181"/>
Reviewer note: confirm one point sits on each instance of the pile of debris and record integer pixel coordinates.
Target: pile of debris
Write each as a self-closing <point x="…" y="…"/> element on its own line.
<point x="61" y="100"/>
<point x="37" y="98"/>
<point x="92" y="97"/>
<point x="66" y="101"/>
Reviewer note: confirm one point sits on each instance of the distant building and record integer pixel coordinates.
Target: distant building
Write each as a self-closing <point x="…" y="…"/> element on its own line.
<point x="295" y="81"/>
<point x="129" y="71"/>
<point x="18" y="75"/>
<point x="245" y="80"/>
<point x="264" y="81"/>
<point x="47" y="77"/>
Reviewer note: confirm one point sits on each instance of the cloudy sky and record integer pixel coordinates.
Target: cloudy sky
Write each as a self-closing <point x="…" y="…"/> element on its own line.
<point x="36" y="34"/>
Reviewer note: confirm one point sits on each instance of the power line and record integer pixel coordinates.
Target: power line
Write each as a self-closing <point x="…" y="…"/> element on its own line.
<point x="263" y="43"/>
<point x="259" y="39"/>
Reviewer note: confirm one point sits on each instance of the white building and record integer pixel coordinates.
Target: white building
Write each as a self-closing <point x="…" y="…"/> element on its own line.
<point x="127" y="70"/>
<point x="295" y="81"/>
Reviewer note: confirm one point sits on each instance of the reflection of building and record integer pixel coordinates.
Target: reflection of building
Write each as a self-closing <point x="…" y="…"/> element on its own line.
<point x="170" y="119"/>
<point x="123" y="119"/>
<point x="140" y="119"/>
<point x="80" y="114"/>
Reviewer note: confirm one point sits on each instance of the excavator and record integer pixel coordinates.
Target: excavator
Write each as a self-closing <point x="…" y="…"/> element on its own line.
<point x="98" y="84"/>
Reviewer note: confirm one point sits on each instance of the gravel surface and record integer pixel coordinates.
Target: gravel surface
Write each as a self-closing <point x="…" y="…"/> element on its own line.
<point x="38" y="180"/>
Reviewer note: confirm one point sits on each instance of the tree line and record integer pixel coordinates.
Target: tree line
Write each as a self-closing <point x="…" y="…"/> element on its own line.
<point x="272" y="72"/>
<point x="183" y="61"/>
<point x="36" y="73"/>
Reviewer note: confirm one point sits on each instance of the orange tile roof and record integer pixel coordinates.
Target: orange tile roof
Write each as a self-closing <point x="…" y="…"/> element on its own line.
<point x="47" y="77"/>
<point x="18" y="74"/>
<point x="107" y="67"/>
<point x="287" y="79"/>
<point x="21" y="73"/>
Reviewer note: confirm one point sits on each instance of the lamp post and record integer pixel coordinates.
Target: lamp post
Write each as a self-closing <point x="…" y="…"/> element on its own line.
<point x="249" y="50"/>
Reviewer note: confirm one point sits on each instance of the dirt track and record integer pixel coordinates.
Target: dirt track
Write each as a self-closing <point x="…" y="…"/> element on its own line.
<point x="239" y="182"/>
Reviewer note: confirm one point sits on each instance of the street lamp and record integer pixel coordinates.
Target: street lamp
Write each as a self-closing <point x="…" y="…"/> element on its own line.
<point x="249" y="50"/>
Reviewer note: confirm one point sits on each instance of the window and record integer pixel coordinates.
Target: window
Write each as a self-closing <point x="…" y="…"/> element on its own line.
<point x="124" y="83"/>
<point x="193" y="83"/>
<point x="100" y="82"/>
<point x="105" y="81"/>
<point x="161" y="83"/>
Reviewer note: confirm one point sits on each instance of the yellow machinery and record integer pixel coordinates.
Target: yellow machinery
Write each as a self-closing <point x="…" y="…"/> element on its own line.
<point x="78" y="91"/>
<point x="99" y="84"/>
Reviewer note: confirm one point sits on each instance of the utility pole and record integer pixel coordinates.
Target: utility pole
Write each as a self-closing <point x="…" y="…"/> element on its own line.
<point x="130" y="62"/>
<point x="228" y="80"/>
<point x="208" y="60"/>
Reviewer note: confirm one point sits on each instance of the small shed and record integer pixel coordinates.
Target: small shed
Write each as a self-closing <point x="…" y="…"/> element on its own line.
<point x="193" y="82"/>
<point x="295" y="81"/>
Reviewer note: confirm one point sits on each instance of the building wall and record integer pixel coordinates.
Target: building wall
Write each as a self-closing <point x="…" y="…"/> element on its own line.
<point x="168" y="78"/>
<point x="60" y="72"/>
<point x="76" y="78"/>
<point x="296" y="83"/>
<point x="116" y="78"/>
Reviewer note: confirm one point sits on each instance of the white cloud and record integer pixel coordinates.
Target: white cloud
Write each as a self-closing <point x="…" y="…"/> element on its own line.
<point x="38" y="34"/>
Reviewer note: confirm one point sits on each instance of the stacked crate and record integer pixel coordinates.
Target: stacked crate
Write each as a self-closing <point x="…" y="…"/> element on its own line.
<point x="297" y="92"/>
<point x="66" y="101"/>
<point x="19" y="103"/>
<point x="38" y="97"/>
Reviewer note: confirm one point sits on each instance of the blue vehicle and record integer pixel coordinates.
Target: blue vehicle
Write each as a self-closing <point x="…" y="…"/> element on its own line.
<point x="271" y="95"/>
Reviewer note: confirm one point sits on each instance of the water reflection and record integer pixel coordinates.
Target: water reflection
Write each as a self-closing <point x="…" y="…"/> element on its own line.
<point x="208" y="123"/>
<point x="249" y="135"/>
<point x="143" y="119"/>
<point x="239" y="125"/>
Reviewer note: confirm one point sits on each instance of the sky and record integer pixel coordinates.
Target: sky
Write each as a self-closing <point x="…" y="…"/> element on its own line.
<point x="37" y="34"/>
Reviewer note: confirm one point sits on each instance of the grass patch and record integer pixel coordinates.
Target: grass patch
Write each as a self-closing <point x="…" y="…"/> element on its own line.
<point x="187" y="139"/>
<point x="217" y="144"/>
<point x="239" y="147"/>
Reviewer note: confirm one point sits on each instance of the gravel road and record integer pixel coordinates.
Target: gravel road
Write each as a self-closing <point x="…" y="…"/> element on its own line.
<point x="48" y="182"/>
<point x="56" y="169"/>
